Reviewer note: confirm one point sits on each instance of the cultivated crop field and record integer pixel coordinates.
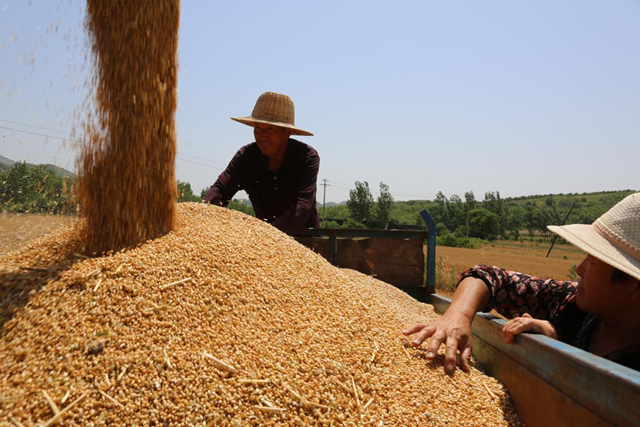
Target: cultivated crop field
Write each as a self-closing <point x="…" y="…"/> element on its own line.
<point x="525" y="257"/>
<point x="17" y="230"/>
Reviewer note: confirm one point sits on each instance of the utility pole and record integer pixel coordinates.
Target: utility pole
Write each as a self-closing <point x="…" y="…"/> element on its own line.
<point x="324" y="197"/>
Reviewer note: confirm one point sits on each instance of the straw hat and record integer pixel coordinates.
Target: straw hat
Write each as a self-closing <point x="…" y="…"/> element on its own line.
<point x="273" y="109"/>
<point x="613" y="238"/>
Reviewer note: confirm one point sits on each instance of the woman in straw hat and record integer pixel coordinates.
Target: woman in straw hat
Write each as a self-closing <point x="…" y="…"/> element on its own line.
<point x="278" y="173"/>
<point x="600" y="313"/>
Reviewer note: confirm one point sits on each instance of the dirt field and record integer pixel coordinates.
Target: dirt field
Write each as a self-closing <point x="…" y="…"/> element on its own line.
<point x="524" y="257"/>
<point x="16" y="230"/>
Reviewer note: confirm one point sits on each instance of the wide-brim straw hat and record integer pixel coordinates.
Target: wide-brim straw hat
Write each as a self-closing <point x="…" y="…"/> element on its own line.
<point x="273" y="109"/>
<point x="613" y="238"/>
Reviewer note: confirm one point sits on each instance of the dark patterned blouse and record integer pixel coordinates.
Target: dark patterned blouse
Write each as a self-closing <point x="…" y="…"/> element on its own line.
<point x="514" y="294"/>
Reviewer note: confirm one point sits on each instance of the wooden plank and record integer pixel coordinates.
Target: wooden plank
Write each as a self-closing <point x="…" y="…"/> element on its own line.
<point x="608" y="390"/>
<point x="306" y="235"/>
<point x="399" y="262"/>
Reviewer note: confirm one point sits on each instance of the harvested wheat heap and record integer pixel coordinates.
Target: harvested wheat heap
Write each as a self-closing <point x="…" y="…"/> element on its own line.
<point x="127" y="187"/>
<point x="223" y="321"/>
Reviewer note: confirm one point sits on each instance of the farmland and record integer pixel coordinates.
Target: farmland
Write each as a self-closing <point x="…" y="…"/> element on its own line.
<point x="526" y="257"/>
<point x="17" y="230"/>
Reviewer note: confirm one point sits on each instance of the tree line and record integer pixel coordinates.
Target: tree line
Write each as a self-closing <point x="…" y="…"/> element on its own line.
<point x="461" y="221"/>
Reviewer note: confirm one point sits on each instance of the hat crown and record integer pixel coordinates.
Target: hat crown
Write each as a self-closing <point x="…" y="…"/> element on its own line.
<point x="274" y="107"/>
<point x="620" y="225"/>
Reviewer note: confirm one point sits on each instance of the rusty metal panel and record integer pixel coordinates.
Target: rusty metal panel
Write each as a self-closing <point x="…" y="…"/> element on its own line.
<point x="400" y="262"/>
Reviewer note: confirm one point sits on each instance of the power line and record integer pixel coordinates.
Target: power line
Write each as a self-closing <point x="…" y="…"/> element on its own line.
<point x="69" y="133"/>
<point x="201" y="164"/>
<point x="340" y="185"/>
<point x="34" y="126"/>
<point x="200" y="158"/>
<point x="38" y="134"/>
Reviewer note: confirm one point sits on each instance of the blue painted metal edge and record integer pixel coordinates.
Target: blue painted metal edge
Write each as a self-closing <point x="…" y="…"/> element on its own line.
<point x="608" y="389"/>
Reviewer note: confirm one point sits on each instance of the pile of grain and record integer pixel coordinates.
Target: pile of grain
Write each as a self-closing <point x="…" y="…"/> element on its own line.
<point x="128" y="187"/>
<point x="223" y="321"/>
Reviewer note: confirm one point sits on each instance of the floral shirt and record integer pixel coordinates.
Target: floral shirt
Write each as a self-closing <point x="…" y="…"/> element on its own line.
<point x="513" y="294"/>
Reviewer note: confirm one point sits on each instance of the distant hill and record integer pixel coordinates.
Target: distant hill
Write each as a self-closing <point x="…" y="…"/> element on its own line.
<point x="566" y="200"/>
<point x="6" y="163"/>
<point x="58" y="170"/>
<point x="330" y="204"/>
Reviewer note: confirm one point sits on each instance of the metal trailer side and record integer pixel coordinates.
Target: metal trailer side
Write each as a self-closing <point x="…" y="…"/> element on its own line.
<point x="552" y="383"/>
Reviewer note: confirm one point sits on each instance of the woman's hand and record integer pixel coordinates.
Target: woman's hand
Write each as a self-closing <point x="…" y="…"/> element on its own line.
<point x="454" y="330"/>
<point x="526" y="323"/>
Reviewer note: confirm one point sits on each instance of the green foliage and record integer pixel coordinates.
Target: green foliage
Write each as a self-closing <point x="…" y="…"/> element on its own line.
<point x="483" y="223"/>
<point x="573" y="274"/>
<point x="383" y="206"/>
<point x="514" y="215"/>
<point x="237" y="206"/>
<point x="27" y="188"/>
<point x="337" y="212"/>
<point x="360" y="203"/>
<point x="351" y="223"/>
<point x="331" y="224"/>
<point x="185" y="193"/>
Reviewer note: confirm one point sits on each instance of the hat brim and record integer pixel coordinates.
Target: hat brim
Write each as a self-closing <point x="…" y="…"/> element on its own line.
<point x="589" y="240"/>
<point x="251" y="121"/>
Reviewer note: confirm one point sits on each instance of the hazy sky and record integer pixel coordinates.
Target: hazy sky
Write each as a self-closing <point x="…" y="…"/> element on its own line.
<point x="523" y="97"/>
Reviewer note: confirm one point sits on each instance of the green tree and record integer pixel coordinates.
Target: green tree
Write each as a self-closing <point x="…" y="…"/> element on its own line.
<point x="384" y="205"/>
<point x="185" y="193"/>
<point x="238" y="206"/>
<point x="36" y="189"/>
<point x="470" y="204"/>
<point x="439" y="209"/>
<point x="360" y="203"/>
<point x="483" y="224"/>
<point x="456" y="213"/>
<point x="351" y="223"/>
<point x="493" y="203"/>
